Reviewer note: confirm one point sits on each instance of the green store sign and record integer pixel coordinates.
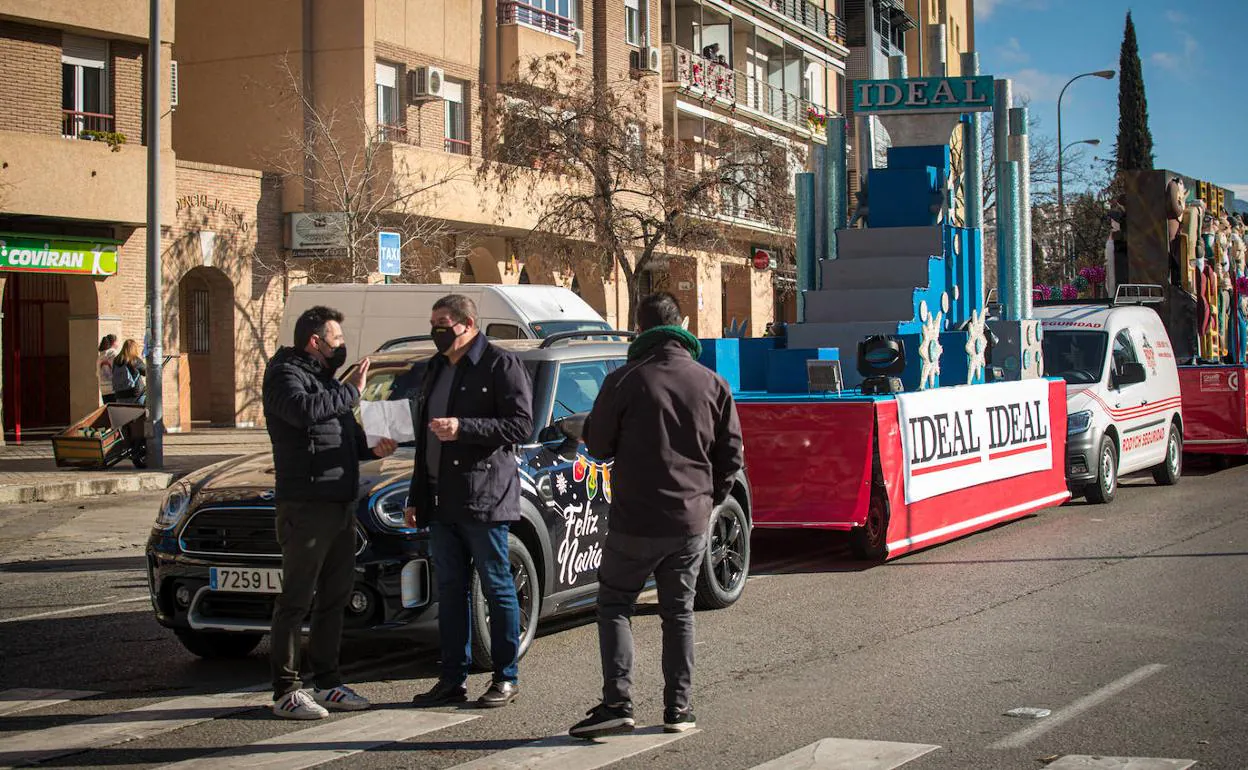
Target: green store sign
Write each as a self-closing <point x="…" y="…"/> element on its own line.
<point x="57" y="254"/>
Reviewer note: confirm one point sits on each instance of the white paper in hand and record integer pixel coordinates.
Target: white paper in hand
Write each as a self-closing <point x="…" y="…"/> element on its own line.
<point x="387" y="419"/>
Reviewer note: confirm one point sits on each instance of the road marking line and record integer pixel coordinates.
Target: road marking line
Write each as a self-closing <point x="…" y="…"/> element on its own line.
<point x="566" y="753"/>
<point x="68" y="610"/>
<point x="134" y="724"/>
<point x="1081" y="762"/>
<point x="26" y="698"/>
<point x="328" y="742"/>
<point x="848" y="754"/>
<point x="1061" y="716"/>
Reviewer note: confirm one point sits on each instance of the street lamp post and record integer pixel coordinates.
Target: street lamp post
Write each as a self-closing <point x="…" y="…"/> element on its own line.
<point x="1061" y="198"/>
<point x="1066" y="239"/>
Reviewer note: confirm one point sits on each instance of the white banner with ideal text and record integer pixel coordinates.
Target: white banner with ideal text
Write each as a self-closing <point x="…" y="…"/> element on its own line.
<point x="954" y="438"/>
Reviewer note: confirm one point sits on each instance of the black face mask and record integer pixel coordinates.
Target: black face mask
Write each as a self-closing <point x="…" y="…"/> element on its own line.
<point x="336" y="358"/>
<point x="443" y="337"/>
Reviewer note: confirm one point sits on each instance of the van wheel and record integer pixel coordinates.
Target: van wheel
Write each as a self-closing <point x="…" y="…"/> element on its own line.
<point x="1106" y="484"/>
<point x="528" y="597"/>
<point x="726" y="561"/>
<point x="1167" y="474"/>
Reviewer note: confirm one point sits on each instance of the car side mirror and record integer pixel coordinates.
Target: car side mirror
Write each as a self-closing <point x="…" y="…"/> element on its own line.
<point x="569" y="429"/>
<point x="1132" y="373"/>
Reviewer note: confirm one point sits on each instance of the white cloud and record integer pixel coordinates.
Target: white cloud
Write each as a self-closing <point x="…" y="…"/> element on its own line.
<point x="984" y="8"/>
<point x="1012" y="52"/>
<point x="1165" y="60"/>
<point x="1175" y="17"/>
<point x="1186" y="62"/>
<point x="1036" y="86"/>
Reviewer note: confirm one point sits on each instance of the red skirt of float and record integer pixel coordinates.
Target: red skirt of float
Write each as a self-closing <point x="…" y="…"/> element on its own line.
<point x="812" y="464"/>
<point x="1215" y="409"/>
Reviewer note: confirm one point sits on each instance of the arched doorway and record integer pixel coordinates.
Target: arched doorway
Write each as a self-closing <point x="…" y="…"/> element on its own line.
<point x="36" y="345"/>
<point x="206" y="334"/>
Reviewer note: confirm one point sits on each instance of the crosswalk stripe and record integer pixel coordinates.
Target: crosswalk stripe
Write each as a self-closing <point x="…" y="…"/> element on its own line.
<point x="27" y="698"/>
<point x="1082" y="762"/>
<point x="327" y="742"/>
<point x="567" y="753"/>
<point x="849" y="754"/>
<point x="134" y="724"/>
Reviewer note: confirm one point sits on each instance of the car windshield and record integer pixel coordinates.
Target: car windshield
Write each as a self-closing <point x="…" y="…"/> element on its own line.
<point x="547" y="328"/>
<point x="1077" y="357"/>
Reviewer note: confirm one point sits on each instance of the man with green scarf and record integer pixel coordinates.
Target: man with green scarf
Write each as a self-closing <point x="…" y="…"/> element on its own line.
<point x="671" y="428"/>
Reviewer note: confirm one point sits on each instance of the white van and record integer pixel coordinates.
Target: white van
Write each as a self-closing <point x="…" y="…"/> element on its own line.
<point x="376" y="313"/>
<point x="1123" y="400"/>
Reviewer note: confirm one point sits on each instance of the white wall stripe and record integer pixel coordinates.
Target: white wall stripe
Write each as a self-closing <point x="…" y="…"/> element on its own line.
<point x="566" y="753"/>
<point x="1061" y="716"/>
<point x="1080" y="762"/>
<point x="328" y="742"/>
<point x="132" y="725"/>
<point x="978" y="520"/>
<point x="25" y="698"/>
<point x="848" y="754"/>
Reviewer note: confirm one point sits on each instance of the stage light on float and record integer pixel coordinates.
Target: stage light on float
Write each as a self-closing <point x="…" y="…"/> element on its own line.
<point x="880" y="359"/>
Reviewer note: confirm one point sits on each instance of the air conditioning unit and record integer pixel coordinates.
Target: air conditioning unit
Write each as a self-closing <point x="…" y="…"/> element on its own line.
<point x="652" y="59"/>
<point x="173" y="84"/>
<point x="426" y="83"/>
<point x="578" y="37"/>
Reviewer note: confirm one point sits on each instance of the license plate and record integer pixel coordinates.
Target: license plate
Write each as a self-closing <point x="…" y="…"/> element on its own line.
<point x="245" y="580"/>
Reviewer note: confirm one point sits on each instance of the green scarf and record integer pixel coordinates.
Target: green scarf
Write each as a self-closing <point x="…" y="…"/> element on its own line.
<point x="655" y="336"/>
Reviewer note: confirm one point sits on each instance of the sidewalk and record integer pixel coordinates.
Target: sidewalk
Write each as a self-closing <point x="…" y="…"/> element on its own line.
<point x="28" y="474"/>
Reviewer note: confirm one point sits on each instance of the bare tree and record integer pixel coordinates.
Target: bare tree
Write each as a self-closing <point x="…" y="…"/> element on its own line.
<point x="344" y="164"/>
<point x="620" y="183"/>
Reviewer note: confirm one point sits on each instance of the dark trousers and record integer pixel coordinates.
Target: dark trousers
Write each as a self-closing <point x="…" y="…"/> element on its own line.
<point x="458" y="548"/>
<point x="318" y="572"/>
<point x="627" y="560"/>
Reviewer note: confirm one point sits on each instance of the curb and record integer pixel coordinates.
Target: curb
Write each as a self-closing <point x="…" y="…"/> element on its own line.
<point x="69" y="490"/>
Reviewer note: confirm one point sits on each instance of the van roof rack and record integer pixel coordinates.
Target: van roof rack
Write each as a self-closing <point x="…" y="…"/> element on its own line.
<point x="582" y="334"/>
<point x="1139" y="294"/>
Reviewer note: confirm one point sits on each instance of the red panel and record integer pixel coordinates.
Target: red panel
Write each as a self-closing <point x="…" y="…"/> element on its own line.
<point x="1215" y="409"/>
<point x="952" y="515"/>
<point x="809" y="464"/>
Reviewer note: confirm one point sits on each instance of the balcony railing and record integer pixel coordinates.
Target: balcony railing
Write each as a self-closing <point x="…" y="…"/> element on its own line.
<point x="703" y="75"/>
<point x="515" y="12"/>
<point x="458" y="146"/>
<point x="390" y="133"/>
<point x="810" y="16"/>
<point x="74" y="124"/>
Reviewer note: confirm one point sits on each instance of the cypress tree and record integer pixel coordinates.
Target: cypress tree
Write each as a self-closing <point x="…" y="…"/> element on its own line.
<point x="1135" y="141"/>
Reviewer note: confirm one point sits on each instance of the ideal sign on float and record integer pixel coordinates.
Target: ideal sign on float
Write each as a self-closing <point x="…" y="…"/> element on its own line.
<point x="925" y="95"/>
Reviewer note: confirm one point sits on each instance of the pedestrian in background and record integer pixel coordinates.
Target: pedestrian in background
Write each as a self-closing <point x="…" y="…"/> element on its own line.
<point x="670" y="425"/>
<point x="476" y="404"/>
<point x="104" y="367"/>
<point x="317" y="450"/>
<point x="128" y="375"/>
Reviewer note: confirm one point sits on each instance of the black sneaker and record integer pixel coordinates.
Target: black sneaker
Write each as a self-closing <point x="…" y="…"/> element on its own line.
<point x="678" y="720"/>
<point x="605" y="720"/>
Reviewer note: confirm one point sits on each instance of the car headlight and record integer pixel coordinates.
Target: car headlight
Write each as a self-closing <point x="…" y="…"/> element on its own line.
<point x="388" y="508"/>
<point x="177" y="501"/>
<point x="1078" y="422"/>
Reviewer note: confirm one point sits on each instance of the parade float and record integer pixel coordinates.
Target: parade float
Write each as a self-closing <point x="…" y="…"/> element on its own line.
<point x="895" y="408"/>
<point x="1175" y="232"/>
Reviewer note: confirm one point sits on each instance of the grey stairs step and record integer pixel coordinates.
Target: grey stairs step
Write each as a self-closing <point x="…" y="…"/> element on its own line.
<point x="871" y="242"/>
<point x="880" y="273"/>
<point x="849" y="305"/>
<point x="843" y="336"/>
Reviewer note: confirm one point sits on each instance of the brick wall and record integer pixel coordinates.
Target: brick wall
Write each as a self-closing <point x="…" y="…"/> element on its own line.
<point x="126" y="70"/>
<point x="30" y="78"/>
<point x="426" y="121"/>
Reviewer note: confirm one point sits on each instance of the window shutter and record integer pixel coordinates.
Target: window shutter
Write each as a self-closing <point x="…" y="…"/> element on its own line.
<point x="84" y="51"/>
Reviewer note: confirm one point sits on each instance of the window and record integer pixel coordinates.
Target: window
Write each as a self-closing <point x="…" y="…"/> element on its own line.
<point x="84" y="86"/>
<point x="577" y="387"/>
<point x="1075" y="356"/>
<point x="388" y="102"/>
<point x="503" y="332"/>
<point x="200" y="322"/>
<point x="1124" y="351"/>
<point x="456" y="119"/>
<point x="632" y="22"/>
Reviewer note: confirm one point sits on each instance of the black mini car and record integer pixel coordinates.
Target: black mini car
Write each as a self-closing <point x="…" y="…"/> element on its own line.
<point x="214" y="565"/>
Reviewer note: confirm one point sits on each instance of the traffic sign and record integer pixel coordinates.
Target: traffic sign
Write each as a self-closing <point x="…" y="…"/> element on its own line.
<point x="389" y="253"/>
<point x="764" y="259"/>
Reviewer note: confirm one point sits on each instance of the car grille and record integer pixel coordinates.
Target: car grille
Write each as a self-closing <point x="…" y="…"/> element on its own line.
<point x="222" y="606"/>
<point x="240" y="531"/>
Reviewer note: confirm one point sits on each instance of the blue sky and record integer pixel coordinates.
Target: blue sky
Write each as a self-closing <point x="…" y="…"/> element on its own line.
<point x="1193" y="57"/>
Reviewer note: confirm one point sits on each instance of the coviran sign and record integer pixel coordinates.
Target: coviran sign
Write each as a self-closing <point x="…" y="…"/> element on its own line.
<point x="57" y="254"/>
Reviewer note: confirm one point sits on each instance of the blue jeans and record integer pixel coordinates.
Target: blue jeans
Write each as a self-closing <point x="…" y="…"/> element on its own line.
<point x="456" y="549"/>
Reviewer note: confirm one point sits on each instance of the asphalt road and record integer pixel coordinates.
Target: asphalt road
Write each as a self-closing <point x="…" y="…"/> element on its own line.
<point x="1129" y="623"/>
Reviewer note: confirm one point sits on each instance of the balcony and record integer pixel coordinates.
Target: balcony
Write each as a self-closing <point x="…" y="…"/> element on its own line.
<point x="515" y="12"/>
<point x="702" y="76"/>
<point x="810" y="16"/>
<point x="458" y="146"/>
<point x="85" y="125"/>
<point x="526" y="32"/>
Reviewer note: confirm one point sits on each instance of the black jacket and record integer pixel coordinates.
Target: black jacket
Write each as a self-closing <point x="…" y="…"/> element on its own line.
<point x="478" y="478"/>
<point x="317" y="444"/>
<point x="671" y="426"/>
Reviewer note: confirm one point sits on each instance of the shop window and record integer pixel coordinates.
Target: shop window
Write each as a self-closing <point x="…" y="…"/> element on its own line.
<point x="84" y="86"/>
<point x="456" y="119"/>
<point x="200" y="322"/>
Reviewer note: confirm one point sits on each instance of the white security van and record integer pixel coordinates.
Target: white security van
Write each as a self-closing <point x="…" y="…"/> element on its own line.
<point x="1123" y="400"/>
<point x="376" y="313"/>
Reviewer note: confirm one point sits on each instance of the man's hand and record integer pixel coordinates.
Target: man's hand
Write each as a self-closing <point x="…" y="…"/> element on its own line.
<point x="409" y="516"/>
<point x="385" y="447"/>
<point x="445" y="428"/>
<point x="358" y="377"/>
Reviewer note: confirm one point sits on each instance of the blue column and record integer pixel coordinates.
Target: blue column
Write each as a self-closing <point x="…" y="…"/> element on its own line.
<point x="1021" y="154"/>
<point x="836" y="171"/>
<point x="1008" y="260"/>
<point x="805" y="226"/>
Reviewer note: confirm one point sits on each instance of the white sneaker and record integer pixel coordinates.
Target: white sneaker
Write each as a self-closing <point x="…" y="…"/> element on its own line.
<point x="341" y="698"/>
<point x="298" y="705"/>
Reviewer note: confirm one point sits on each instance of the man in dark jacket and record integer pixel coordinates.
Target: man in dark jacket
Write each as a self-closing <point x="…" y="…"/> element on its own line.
<point x="475" y="405"/>
<point x="671" y="427"/>
<point x="317" y="451"/>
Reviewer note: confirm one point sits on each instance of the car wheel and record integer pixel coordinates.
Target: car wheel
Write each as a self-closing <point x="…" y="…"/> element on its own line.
<point x="528" y="596"/>
<point x="870" y="541"/>
<point x="1167" y="474"/>
<point x="1106" y="484"/>
<point x="726" y="563"/>
<point x="216" y="645"/>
